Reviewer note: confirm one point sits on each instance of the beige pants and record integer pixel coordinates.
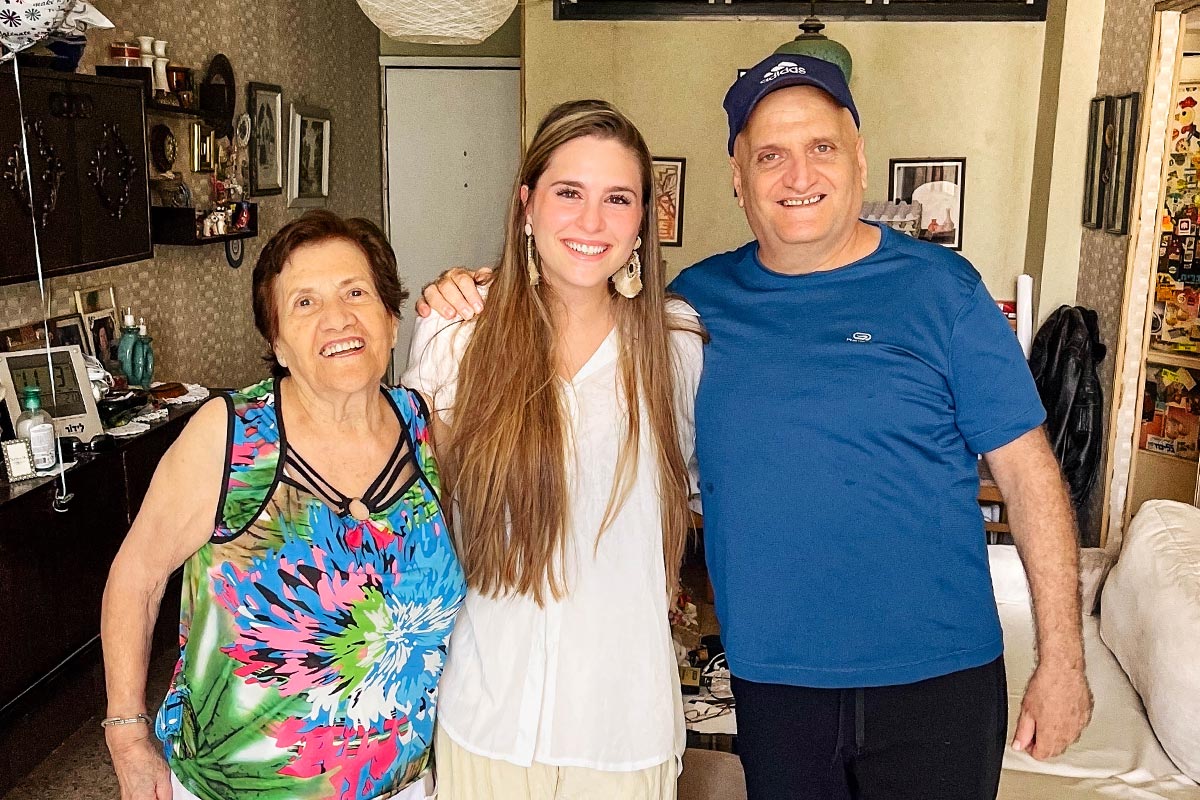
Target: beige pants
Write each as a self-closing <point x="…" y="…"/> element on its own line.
<point x="462" y="775"/>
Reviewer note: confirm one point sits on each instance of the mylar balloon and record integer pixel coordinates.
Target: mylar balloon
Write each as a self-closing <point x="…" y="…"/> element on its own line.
<point x="24" y="23"/>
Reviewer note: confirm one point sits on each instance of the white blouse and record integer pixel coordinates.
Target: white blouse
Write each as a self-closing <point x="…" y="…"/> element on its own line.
<point x="589" y="680"/>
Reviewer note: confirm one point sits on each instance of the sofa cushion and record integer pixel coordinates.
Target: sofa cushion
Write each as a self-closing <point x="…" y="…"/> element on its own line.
<point x="1150" y="619"/>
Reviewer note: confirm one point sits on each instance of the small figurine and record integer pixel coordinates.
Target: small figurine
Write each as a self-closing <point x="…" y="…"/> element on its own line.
<point x="214" y="223"/>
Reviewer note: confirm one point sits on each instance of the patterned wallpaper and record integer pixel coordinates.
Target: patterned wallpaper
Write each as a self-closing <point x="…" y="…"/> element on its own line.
<point x="323" y="54"/>
<point x="1124" y="59"/>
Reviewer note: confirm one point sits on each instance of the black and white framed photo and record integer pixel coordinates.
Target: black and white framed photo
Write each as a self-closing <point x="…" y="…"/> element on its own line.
<point x="308" y="157"/>
<point x="668" y="199"/>
<point x="265" y="106"/>
<point x="1124" y="162"/>
<point x="1100" y="141"/>
<point x="937" y="185"/>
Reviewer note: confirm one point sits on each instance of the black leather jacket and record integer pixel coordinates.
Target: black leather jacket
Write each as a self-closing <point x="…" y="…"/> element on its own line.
<point x="1065" y="354"/>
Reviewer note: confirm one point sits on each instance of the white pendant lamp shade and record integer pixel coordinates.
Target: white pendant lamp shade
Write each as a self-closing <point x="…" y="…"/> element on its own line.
<point x="438" y="21"/>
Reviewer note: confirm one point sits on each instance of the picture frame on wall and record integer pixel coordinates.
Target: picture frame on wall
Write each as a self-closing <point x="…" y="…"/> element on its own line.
<point x="308" y="156"/>
<point x="264" y="104"/>
<point x="938" y="186"/>
<point x="1125" y="110"/>
<point x="668" y="182"/>
<point x="1095" y="180"/>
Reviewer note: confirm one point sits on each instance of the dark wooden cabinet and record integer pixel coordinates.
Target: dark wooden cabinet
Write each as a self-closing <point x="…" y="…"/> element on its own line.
<point x="53" y="567"/>
<point x="86" y="139"/>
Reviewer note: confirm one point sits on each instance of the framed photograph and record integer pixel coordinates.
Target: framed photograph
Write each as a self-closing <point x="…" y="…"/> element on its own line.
<point x="1124" y="159"/>
<point x="96" y="298"/>
<point x="23" y="337"/>
<point x="265" y="106"/>
<point x="69" y="329"/>
<point x="1096" y="180"/>
<point x="308" y="157"/>
<point x="18" y="460"/>
<point x="103" y="331"/>
<point x="937" y="185"/>
<point x="204" y="147"/>
<point x="668" y="199"/>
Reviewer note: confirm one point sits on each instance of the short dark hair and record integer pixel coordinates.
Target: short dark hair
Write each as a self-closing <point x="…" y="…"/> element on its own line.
<point x="314" y="227"/>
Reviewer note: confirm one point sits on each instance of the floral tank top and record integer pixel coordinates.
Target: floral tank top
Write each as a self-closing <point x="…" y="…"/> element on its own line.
<point x="311" y="643"/>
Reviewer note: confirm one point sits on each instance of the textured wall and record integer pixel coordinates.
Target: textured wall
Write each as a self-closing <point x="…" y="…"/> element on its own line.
<point x="1124" y="59"/>
<point x="323" y="54"/>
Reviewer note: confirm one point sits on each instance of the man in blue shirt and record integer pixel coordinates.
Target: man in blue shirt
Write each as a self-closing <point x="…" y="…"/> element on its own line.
<point x="852" y="379"/>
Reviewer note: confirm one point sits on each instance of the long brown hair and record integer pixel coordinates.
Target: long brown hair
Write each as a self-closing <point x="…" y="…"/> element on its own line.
<point x="504" y="466"/>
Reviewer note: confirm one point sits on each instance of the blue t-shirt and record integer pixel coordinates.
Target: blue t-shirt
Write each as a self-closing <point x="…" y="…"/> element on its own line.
<point x="838" y="419"/>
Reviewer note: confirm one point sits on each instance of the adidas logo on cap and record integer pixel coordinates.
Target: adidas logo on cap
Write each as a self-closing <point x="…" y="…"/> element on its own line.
<point x="783" y="68"/>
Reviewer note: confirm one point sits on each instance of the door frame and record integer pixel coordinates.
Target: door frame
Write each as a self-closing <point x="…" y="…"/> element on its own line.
<point x="1133" y="338"/>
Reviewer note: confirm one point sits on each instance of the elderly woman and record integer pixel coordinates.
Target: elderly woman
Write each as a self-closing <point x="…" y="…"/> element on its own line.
<point x="320" y="585"/>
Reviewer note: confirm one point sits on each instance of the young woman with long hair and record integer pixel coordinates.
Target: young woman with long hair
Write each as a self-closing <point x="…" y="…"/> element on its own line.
<point x="563" y="427"/>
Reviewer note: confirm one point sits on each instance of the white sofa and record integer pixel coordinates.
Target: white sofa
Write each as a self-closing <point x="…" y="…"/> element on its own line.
<point x="1118" y="755"/>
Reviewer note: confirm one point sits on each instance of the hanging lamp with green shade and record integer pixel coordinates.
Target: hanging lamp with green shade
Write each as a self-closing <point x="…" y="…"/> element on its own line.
<point x="811" y="42"/>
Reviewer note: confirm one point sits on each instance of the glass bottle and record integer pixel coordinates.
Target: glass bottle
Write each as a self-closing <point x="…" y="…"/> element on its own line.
<point x="37" y="426"/>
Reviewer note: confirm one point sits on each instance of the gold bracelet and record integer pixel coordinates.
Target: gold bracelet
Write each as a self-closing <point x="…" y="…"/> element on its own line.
<point x="108" y="722"/>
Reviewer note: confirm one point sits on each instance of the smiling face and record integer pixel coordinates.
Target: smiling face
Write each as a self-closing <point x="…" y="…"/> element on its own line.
<point x="586" y="212"/>
<point x="800" y="171"/>
<point x="334" y="334"/>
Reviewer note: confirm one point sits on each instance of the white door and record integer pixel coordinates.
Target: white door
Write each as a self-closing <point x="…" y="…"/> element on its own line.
<point x="453" y="150"/>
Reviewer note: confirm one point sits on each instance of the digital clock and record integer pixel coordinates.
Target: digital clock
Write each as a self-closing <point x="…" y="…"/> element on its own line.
<point x="66" y="390"/>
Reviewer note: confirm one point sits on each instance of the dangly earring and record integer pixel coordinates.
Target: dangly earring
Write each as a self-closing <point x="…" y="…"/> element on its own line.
<point x="530" y="261"/>
<point x="628" y="279"/>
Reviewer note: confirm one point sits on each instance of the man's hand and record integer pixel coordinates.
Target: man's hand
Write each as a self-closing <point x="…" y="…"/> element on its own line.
<point x="1057" y="703"/>
<point x="137" y="758"/>
<point x="454" y="293"/>
<point x="1056" y="708"/>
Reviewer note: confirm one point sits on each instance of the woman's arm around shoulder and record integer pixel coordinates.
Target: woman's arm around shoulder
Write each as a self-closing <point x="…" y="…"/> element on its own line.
<point x="434" y="354"/>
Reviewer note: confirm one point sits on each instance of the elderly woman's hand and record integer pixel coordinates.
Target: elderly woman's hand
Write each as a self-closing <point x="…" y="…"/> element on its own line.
<point x="137" y="758"/>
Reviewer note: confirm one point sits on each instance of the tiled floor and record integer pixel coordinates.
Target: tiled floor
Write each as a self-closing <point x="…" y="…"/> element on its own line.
<point x="80" y="768"/>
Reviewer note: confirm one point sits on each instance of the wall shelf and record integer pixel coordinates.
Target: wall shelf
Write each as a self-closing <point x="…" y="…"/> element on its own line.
<point x="177" y="226"/>
<point x="153" y="107"/>
<point x="1173" y="359"/>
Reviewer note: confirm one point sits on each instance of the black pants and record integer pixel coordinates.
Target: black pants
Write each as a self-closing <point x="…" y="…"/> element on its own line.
<point x="939" y="739"/>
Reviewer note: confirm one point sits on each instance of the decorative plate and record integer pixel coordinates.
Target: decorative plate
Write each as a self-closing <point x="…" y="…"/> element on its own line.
<point x="163" y="148"/>
<point x="234" y="252"/>
<point x="242" y="132"/>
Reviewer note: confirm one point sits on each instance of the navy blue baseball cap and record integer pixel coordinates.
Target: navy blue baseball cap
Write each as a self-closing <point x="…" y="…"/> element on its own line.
<point x="778" y="71"/>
